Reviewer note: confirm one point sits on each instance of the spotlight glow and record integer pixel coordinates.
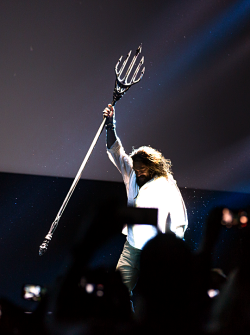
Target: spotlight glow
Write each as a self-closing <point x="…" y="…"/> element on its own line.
<point x="212" y="293"/>
<point x="227" y="216"/>
<point x="89" y="288"/>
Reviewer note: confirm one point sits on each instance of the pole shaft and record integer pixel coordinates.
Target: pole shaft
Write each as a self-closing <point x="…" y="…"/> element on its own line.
<point x="48" y="237"/>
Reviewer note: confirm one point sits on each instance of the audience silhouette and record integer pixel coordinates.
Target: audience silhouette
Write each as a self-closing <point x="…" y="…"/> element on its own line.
<point x="173" y="294"/>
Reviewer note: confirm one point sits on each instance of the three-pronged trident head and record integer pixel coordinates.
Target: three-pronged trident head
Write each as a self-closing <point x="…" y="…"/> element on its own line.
<point x="122" y="84"/>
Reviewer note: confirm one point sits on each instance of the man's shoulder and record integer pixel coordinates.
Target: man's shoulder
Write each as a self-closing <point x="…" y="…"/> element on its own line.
<point x="163" y="182"/>
<point x="157" y="183"/>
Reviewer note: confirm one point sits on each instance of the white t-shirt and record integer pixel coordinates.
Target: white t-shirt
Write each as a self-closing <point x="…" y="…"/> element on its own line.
<point x="160" y="192"/>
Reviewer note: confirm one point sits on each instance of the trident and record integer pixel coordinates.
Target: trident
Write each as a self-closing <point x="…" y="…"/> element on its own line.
<point x="121" y="87"/>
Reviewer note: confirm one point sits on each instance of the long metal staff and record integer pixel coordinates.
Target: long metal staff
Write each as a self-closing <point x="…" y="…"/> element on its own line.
<point x="121" y="87"/>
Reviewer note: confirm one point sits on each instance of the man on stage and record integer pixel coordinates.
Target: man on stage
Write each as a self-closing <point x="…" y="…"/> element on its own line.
<point x="149" y="183"/>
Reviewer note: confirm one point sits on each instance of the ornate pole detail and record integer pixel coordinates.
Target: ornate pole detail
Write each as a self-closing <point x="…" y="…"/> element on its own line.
<point x="122" y="84"/>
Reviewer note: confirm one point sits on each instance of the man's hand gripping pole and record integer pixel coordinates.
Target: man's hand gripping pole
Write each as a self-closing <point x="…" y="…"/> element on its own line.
<point x="121" y="87"/>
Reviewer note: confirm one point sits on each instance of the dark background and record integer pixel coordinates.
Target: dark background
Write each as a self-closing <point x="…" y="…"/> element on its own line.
<point x="57" y="75"/>
<point x="29" y="205"/>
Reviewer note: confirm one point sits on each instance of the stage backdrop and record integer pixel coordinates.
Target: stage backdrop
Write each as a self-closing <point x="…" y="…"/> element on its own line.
<point x="57" y="75"/>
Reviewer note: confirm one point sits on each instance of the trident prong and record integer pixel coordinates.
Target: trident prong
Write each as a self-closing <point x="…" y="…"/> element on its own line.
<point x="123" y="65"/>
<point x="137" y="70"/>
<point x="122" y="84"/>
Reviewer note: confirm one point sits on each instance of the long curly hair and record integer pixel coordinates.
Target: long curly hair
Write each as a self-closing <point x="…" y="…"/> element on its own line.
<point x="153" y="159"/>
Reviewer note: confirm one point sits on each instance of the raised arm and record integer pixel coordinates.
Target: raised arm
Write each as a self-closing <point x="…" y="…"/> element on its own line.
<point x="109" y="113"/>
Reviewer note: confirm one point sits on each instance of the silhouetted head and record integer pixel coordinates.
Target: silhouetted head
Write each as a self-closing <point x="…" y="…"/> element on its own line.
<point x="167" y="284"/>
